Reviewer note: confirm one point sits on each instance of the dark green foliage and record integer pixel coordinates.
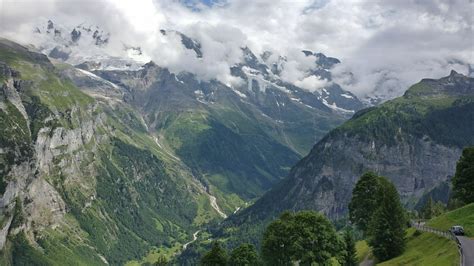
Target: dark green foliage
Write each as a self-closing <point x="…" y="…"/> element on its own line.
<point x="417" y="233"/>
<point x="463" y="180"/>
<point x="18" y="217"/>
<point x="415" y="116"/>
<point x="365" y="200"/>
<point x="24" y="254"/>
<point x="427" y="210"/>
<point x="305" y="236"/>
<point x="432" y="209"/>
<point x="250" y="163"/>
<point x="387" y="227"/>
<point x="440" y="193"/>
<point x="244" y="255"/>
<point x="38" y="114"/>
<point x="14" y="139"/>
<point x="217" y="256"/>
<point x="161" y="261"/>
<point x="439" y="124"/>
<point x="133" y="216"/>
<point x="349" y="254"/>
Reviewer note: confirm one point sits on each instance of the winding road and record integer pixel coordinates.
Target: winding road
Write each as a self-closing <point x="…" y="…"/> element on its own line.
<point x="467" y="245"/>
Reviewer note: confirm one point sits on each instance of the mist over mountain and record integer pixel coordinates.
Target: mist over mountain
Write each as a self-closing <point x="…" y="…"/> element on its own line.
<point x="139" y="132"/>
<point x="368" y="31"/>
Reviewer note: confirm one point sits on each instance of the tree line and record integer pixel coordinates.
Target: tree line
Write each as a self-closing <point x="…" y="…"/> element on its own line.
<point x="309" y="238"/>
<point x="303" y="237"/>
<point x="375" y="210"/>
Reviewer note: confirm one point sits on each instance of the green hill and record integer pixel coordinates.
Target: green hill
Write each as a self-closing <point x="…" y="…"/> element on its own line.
<point x="426" y="249"/>
<point x="463" y="216"/>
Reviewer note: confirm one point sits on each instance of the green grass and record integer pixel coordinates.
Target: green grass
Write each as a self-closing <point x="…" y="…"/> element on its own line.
<point x="363" y="250"/>
<point x="426" y="249"/>
<point x="205" y="212"/>
<point x="463" y="216"/>
<point x="154" y="254"/>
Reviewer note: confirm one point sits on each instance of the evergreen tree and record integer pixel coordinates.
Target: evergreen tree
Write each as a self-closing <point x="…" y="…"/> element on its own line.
<point x="364" y="200"/>
<point x="161" y="261"/>
<point x="217" y="256"/>
<point x="427" y="210"/>
<point x="387" y="227"/>
<point x="306" y="236"/>
<point x="244" y="255"/>
<point x="349" y="254"/>
<point x="438" y="209"/>
<point x="463" y="180"/>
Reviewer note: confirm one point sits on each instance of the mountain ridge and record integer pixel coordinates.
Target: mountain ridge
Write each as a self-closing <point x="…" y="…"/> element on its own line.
<point x="412" y="140"/>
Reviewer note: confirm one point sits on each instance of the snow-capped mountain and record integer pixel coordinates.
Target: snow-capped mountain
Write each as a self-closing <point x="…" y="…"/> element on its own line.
<point x="261" y="74"/>
<point x="85" y="43"/>
<point x="87" y="47"/>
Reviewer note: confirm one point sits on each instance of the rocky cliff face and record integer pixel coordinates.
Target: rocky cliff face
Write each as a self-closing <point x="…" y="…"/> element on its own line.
<point x="414" y="140"/>
<point x="238" y="141"/>
<point x="82" y="181"/>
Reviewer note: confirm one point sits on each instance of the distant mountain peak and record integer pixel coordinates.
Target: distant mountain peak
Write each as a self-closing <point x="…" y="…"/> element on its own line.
<point x="455" y="84"/>
<point x="188" y="43"/>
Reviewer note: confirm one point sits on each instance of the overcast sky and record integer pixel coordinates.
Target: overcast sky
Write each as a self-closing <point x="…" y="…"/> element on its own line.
<point x="386" y="44"/>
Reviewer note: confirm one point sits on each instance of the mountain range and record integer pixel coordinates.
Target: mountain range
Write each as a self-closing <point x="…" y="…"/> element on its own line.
<point x="214" y="128"/>
<point x="414" y="140"/>
<point x="108" y="159"/>
<point x="104" y="161"/>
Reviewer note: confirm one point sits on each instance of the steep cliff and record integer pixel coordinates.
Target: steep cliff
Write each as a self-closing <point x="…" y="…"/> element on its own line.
<point x="82" y="181"/>
<point x="414" y="140"/>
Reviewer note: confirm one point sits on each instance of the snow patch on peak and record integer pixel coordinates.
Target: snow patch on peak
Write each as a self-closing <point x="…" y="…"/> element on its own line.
<point x="82" y="43"/>
<point x="348" y="96"/>
<point x="334" y="107"/>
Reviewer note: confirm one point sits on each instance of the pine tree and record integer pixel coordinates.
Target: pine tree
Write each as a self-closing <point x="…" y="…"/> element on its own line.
<point x="427" y="210"/>
<point x="364" y="200"/>
<point x="244" y="255"/>
<point x="349" y="257"/>
<point x="463" y="180"/>
<point x="387" y="228"/>
<point x="217" y="256"/>
<point x="161" y="261"/>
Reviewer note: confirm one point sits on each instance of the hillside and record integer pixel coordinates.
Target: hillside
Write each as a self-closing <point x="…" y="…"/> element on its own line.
<point x="414" y="140"/>
<point x="463" y="216"/>
<point x="239" y="141"/>
<point x="237" y="138"/>
<point x="82" y="180"/>
<point x="426" y="249"/>
<point x="120" y="165"/>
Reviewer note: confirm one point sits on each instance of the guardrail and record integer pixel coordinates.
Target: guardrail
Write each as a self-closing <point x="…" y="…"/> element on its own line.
<point x="447" y="234"/>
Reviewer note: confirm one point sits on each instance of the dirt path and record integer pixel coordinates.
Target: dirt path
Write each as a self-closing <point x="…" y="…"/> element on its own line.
<point x="367" y="261"/>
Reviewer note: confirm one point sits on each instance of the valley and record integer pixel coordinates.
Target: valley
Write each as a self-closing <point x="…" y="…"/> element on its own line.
<point x="225" y="132"/>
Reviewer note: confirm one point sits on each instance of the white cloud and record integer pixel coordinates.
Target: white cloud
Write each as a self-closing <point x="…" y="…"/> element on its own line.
<point x="312" y="83"/>
<point x="386" y="44"/>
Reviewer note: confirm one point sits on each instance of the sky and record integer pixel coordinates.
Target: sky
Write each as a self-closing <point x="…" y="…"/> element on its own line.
<point x="384" y="46"/>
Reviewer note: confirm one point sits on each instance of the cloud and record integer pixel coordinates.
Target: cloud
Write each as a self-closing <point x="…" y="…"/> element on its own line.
<point x="386" y="45"/>
<point x="312" y="83"/>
